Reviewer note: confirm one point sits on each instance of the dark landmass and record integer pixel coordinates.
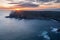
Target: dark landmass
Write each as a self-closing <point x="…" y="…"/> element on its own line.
<point x="35" y="15"/>
<point x="55" y="15"/>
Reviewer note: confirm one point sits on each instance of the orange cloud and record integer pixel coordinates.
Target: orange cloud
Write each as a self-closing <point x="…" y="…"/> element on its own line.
<point x="30" y="8"/>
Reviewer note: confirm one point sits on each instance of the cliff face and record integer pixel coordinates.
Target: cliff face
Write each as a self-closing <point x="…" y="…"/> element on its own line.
<point x="36" y="15"/>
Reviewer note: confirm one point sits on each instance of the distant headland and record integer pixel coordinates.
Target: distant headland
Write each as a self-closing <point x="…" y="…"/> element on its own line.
<point x="35" y="15"/>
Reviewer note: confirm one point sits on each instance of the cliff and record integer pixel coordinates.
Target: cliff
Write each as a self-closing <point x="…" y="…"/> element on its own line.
<point x="35" y="15"/>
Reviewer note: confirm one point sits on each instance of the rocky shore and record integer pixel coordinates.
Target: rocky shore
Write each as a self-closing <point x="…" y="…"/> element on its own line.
<point x="35" y="15"/>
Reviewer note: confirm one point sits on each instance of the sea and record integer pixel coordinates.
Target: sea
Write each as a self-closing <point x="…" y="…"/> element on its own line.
<point x="27" y="29"/>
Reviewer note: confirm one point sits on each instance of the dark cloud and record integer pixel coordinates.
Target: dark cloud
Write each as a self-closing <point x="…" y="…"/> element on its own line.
<point x="46" y="0"/>
<point x="58" y="1"/>
<point x="25" y="4"/>
<point x="39" y="0"/>
<point x="29" y="5"/>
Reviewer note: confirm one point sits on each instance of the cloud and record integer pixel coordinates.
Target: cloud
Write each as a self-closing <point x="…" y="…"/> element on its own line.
<point x="54" y="1"/>
<point x="25" y="4"/>
<point x="45" y="0"/>
<point x="57" y="1"/>
<point x="49" y="2"/>
<point x="29" y="4"/>
<point x="33" y="3"/>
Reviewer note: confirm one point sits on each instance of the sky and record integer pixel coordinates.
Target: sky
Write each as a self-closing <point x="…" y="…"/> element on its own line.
<point x="30" y="3"/>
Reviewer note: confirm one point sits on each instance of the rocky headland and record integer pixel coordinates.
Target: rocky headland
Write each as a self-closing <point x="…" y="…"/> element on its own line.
<point x="35" y="15"/>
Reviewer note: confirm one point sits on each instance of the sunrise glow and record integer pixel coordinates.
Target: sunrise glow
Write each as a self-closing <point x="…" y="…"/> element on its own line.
<point x="27" y="5"/>
<point x="17" y="9"/>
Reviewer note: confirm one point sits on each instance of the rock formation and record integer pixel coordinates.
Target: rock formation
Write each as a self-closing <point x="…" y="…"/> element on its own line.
<point x="35" y="15"/>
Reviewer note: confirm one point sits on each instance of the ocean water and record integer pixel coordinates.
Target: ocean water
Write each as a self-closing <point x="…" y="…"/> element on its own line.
<point x="24" y="29"/>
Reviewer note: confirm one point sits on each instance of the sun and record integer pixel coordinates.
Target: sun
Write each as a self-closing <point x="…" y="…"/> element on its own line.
<point x="17" y="9"/>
